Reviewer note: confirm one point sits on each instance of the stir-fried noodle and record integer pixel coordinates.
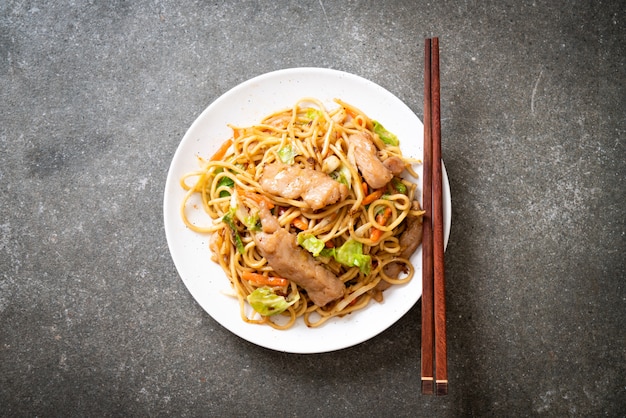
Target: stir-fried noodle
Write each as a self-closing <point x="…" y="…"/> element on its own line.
<point x="353" y="231"/>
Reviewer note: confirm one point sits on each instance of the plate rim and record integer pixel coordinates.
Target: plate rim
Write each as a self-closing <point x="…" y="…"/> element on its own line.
<point x="200" y="119"/>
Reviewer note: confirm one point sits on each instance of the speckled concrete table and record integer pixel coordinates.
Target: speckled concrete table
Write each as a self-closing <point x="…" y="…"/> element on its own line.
<point x="96" y="96"/>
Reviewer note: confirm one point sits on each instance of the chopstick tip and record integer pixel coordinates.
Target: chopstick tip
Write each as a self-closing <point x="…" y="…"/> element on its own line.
<point x="427" y="387"/>
<point x="442" y="388"/>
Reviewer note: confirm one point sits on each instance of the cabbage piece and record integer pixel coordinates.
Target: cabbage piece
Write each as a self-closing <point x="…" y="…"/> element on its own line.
<point x="342" y="175"/>
<point x="350" y="254"/>
<point x="399" y="186"/>
<point x="311" y="243"/>
<point x="228" y="219"/>
<point x="253" y="223"/>
<point x="266" y="302"/>
<point x="249" y="217"/>
<point x="385" y="136"/>
<point x="224" y="181"/>
<point x="312" y="113"/>
<point x="287" y="154"/>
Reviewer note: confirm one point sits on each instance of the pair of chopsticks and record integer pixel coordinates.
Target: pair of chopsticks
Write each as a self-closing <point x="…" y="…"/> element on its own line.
<point x="434" y="346"/>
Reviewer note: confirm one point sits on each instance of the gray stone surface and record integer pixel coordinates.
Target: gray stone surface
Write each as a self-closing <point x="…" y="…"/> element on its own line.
<point x="94" y="99"/>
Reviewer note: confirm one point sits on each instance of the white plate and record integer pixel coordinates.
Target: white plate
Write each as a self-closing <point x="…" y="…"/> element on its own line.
<point x="245" y="105"/>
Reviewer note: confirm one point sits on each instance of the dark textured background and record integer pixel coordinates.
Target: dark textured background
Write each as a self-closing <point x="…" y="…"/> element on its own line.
<point x="94" y="99"/>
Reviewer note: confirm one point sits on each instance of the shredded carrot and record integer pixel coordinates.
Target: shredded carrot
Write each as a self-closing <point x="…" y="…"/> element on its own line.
<point x="258" y="198"/>
<point x="376" y="234"/>
<point x="222" y="150"/>
<point x="329" y="244"/>
<point x="382" y="220"/>
<point x="300" y="223"/>
<point x="376" y="194"/>
<point x="351" y="112"/>
<point x="264" y="280"/>
<point x="358" y="117"/>
<point x="364" y="187"/>
<point x="361" y="121"/>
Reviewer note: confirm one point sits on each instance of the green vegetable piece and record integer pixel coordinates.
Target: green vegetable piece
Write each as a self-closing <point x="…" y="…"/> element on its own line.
<point x="287" y="154"/>
<point x="342" y="175"/>
<point x="228" y="219"/>
<point x="266" y="302"/>
<point x="399" y="186"/>
<point x="351" y="254"/>
<point x="253" y="223"/>
<point x="311" y="243"/>
<point x="312" y="113"/>
<point x="386" y="136"/>
<point x="225" y="181"/>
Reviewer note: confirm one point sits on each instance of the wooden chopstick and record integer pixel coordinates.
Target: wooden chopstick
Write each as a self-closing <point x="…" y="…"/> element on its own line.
<point x="434" y="342"/>
<point x="427" y="237"/>
<point x="441" y="346"/>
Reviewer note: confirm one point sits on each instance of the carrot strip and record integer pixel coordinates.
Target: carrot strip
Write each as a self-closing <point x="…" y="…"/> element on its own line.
<point x="258" y="198"/>
<point x="384" y="217"/>
<point x="361" y="121"/>
<point x="264" y="280"/>
<point x="219" y="154"/>
<point x="382" y="220"/>
<point x="373" y="196"/>
<point x="300" y="223"/>
<point x="351" y="112"/>
<point x="364" y="187"/>
<point x="376" y="234"/>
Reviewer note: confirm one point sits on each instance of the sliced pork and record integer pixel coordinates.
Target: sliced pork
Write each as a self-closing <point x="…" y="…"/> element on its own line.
<point x="316" y="189"/>
<point x="293" y="262"/>
<point x="410" y="239"/>
<point x="395" y="165"/>
<point x="372" y="169"/>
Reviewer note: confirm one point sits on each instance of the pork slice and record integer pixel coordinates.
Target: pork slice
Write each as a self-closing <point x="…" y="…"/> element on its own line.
<point x="316" y="188"/>
<point x="410" y="239"/>
<point x="292" y="262"/>
<point x="395" y="165"/>
<point x="372" y="169"/>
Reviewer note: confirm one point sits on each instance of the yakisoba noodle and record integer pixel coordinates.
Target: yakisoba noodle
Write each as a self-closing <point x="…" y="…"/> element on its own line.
<point x="310" y="136"/>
